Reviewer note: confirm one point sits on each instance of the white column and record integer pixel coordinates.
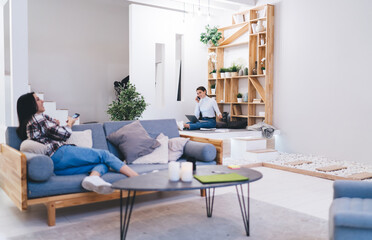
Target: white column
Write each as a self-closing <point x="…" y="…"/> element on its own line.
<point x="18" y="12"/>
<point x="2" y="74"/>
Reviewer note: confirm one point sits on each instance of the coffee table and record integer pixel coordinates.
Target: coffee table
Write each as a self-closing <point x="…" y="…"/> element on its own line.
<point x="158" y="181"/>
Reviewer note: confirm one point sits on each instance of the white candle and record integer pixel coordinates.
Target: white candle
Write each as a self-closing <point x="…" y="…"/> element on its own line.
<point x="186" y="171"/>
<point x="174" y="171"/>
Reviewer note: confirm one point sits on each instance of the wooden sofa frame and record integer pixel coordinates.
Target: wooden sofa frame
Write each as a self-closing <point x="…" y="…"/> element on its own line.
<point x="13" y="180"/>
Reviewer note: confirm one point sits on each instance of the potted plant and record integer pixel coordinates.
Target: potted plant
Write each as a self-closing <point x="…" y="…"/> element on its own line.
<point x="239" y="97"/>
<point x="263" y="66"/>
<point x="214" y="73"/>
<point x="129" y="104"/>
<point x="222" y="72"/>
<point x="213" y="89"/>
<point x="227" y="72"/>
<point x="234" y="70"/>
<point x="211" y="36"/>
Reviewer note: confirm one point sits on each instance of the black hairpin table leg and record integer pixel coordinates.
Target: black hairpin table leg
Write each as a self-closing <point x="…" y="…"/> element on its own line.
<point x="124" y="222"/>
<point x="244" y="205"/>
<point x="209" y="200"/>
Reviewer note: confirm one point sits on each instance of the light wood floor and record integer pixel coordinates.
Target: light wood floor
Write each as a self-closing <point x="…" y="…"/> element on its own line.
<point x="301" y="193"/>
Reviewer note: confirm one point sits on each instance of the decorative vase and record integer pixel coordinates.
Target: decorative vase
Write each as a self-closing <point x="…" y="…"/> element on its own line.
<point x="227" y="74"/>
<point x="254" y="70"/>
<point x="245" y="97"/>
<point x="214" y="75"/>
<point x="241" y="72"/>
<point x="213" y="91"/>
<point x="260" y="27"/>
<point x="246" y="71"/>
<point x="239" y="100"/>
<point x="222" y="75"/>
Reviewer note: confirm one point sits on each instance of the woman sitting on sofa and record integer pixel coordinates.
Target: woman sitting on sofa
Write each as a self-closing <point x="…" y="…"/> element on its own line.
<point x="67" y="159"/>
<point x="208" y="109"/>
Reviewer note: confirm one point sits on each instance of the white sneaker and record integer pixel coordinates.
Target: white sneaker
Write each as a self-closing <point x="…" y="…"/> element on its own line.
<point x="180" y="125"/>
<point x="96" y="184"/>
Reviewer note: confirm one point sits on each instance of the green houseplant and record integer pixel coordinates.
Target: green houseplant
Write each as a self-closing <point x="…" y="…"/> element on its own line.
<point x="239" y="97"/>
<point x="129" y="104"/>
<point x="212" y="35"/>
<point x="213" y="89"/>
<point x="222" y="72"/>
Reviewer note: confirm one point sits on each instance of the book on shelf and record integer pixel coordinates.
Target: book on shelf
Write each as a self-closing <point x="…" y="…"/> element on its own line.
<point x="257" y="100"/>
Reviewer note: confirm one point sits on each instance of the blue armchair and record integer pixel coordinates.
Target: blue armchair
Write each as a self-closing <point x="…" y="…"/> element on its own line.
<point x="350" y="215"/>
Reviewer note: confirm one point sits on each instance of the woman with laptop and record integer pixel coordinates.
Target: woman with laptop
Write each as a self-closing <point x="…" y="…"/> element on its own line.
<point x="207" y="107"/>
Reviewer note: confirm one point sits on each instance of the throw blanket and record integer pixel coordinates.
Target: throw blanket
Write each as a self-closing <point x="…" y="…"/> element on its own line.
<point x="267" y="130"/>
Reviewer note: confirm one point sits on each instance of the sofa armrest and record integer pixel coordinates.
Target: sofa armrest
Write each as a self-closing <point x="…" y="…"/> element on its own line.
<point x="217" y="143"/>
<point x="352" y="189"/>
<point x="13" y="175"/>
<point x="205" y="152"/>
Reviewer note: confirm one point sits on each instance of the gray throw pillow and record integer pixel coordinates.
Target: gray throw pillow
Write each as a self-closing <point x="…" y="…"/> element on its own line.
<point x="133" y="141"/>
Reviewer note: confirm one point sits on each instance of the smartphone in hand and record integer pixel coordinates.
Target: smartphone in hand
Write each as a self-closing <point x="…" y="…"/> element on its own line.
<point x="76" y="115"/>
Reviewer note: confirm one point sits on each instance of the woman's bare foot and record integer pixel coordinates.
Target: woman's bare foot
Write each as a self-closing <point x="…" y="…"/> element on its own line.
<point x="186" y="125"/>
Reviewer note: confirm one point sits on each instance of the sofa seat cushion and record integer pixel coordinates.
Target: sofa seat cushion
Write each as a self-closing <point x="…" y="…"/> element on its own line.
<point x="58" y="185"/>
<point x="352" y="212"/>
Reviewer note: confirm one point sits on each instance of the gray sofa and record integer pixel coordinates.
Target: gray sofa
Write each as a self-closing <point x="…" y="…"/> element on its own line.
<point x="351" y="211"/>
<point x="43" y="184"/>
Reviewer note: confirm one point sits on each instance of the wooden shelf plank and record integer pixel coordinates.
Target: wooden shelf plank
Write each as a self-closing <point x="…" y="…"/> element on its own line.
<point x="234" y="36"/>
<point x="232" y="26"/>
<point x="256" y="103"/>
<point x="233" y="45"/>
<point x="245" y="76"/>
<point x="254" y="76"/>
<point x="262" y="46"/>
<point x="256" y="116"/>
<point x="240" y="103"/>
<point x="239" y="116"/>
<point x="258" y="87"/>
<point x="255" y="20"/>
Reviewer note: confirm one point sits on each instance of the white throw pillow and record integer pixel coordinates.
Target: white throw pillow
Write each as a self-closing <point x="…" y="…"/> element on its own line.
<point x="81" y="138"/>
<point x="159" y="155"/>
<point x="176" y="146"/>
<point x="32" y="146"/>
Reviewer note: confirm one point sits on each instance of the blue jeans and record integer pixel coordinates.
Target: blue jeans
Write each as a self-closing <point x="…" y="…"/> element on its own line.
<point x="70" y="160"/>
<point x="204" y="123"/>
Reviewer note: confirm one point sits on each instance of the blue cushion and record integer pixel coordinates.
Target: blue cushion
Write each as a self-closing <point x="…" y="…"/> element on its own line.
<point x="200" y="151"/>
<point x="11" y="138"/>
<point x="39" y="167"/>
<point x="98" y="135"/>
<point x="153" y="127"/>
<point x="352" y="212"/>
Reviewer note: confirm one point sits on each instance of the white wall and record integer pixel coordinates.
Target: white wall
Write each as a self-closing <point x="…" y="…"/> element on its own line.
<point x="152" y="25"/>
<point x="322" y="85"/>
<point x="77" y="49"/>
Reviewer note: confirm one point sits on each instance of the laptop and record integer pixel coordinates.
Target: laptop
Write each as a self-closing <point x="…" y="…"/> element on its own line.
<point x="192" y="118"/>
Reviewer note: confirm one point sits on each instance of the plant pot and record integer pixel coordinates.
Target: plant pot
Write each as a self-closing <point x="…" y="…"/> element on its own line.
<point x="239" y="100"/>
<point x="264" y="72"/>
<point x="214" y="75"/>
<point x="222" y="75"/>
<point x="227" y="74"/>
<point x="213" y="91"/>
<point x="234" y="74"/>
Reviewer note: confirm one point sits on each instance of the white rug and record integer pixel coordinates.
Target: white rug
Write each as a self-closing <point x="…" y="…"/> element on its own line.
<point x="188" y="221"/>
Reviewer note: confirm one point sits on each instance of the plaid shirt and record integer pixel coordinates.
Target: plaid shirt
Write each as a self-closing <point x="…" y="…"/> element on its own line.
<point x="44" y="129"/>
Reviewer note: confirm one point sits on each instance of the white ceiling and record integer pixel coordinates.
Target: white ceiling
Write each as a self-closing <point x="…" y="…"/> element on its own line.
<point x="205" y="6"/>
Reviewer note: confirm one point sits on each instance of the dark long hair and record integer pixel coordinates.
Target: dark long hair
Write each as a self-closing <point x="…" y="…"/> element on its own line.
<point x="26" y="108"/>
<point x="202" y="89"/>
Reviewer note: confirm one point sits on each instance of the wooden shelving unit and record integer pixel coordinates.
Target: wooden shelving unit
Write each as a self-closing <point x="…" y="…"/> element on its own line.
<point x="259" y="85"/>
